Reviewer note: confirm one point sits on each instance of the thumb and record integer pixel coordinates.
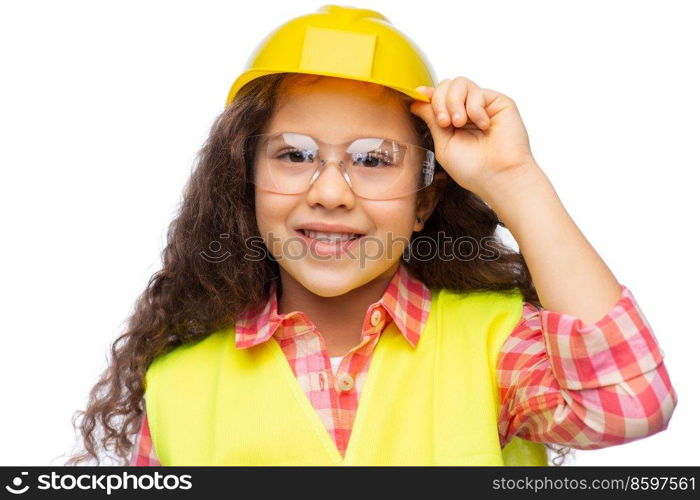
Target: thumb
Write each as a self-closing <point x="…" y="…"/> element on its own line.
<point x="426" y="91"/>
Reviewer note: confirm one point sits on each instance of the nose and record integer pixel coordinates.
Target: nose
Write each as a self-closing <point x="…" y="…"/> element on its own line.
<point x="329" y="186"/>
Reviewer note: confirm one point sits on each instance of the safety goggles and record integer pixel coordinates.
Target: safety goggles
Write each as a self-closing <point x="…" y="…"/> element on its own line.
<point x="374" y="167"/>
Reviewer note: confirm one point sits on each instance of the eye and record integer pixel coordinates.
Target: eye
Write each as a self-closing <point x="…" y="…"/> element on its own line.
<point x="294" y="155"/>
<point x="372" y="159"/>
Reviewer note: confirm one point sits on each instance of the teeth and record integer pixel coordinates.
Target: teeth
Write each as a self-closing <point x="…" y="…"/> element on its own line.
<point x="331" y="237"/>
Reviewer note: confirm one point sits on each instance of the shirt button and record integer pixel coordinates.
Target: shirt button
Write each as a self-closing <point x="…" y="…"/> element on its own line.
<point x="376" y="317"/>
<point x="345" y="382"/>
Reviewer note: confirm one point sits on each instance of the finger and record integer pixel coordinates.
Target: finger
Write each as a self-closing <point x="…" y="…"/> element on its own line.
<point x="426" y="91"/>
<point x="490" y="96"/>
<point x="476" y="108"/>
<point x="438" y="103"/>
<point x="455" y="101"/>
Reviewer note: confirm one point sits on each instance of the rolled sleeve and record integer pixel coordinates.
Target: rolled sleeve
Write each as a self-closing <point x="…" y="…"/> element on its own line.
<point x="618" y="347"/>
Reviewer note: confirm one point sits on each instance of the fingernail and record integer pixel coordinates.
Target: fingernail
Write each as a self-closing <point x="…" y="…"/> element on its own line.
<point x="457" y="116"/>
<point x="442" y="115"/>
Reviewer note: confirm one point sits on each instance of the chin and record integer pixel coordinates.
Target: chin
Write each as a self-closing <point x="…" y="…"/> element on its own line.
<point x="329" y="279"/>
<point x="333" y="278"/>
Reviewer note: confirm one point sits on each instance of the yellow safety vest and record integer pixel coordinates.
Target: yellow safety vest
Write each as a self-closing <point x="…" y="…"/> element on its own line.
<point x="210" y="403"/>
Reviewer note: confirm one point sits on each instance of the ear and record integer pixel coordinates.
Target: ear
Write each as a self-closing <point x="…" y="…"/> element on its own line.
<point x="428" y="200"/>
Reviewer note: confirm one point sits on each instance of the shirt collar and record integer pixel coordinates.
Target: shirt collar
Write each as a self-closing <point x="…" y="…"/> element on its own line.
<point x="406" y="299"/>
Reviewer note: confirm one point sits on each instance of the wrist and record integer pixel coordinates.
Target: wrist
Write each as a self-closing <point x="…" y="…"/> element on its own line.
<point x="503" y="188"/>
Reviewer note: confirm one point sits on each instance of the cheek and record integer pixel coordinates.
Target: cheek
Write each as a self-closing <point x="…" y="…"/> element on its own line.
<point x="271" y="212"/>
<point x="392" y="215"/>
<point x="266" y="203"/>
<point x="393" y="221"/>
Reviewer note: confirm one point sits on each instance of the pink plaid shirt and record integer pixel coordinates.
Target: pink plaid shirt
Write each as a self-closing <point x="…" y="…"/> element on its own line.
<point x="560" y="381"/>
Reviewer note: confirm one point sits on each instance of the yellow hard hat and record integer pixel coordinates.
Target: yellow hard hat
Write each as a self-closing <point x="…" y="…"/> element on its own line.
<point x="345" y="42"/>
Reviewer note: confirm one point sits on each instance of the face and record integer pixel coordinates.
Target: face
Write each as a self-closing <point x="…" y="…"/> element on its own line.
<point x="336" y="110"/>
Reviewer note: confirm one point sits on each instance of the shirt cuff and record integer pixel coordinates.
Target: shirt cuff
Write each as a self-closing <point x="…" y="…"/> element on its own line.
<point x="618" y="347"/>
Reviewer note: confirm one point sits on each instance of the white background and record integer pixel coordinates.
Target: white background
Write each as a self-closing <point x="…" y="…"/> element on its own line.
<point x="103" y="106"/>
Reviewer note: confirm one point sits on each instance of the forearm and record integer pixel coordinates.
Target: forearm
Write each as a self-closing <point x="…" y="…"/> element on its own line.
<point x="569" y="275"/>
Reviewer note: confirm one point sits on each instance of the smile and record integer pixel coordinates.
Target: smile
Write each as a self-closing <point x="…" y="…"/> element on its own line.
<point x="326" y="243"/>
<point x="329" y="237"/>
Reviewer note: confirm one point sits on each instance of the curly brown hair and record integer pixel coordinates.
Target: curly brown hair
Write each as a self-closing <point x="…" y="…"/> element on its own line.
<point x="191" y="296"/>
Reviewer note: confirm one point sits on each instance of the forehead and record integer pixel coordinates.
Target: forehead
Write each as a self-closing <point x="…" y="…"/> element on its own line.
<point x="337" y="110"/>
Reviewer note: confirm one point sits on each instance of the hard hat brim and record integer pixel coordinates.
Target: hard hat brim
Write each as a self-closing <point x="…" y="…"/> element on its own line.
<point x="250" y="75"/>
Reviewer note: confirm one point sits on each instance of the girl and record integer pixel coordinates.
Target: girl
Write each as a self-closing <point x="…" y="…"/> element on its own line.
<point x="318" y="304"/>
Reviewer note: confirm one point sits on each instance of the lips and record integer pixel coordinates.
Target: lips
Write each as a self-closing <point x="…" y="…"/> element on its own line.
<point x="329" y="233"/>
<point x="329" y="239"/>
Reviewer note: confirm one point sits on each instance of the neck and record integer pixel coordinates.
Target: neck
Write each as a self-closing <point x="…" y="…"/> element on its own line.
<point x="339" y="318"/>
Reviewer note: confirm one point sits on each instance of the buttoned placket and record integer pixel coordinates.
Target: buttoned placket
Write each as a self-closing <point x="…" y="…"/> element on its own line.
<point x="345" y="381"/>
<point x="337" y="388"/>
